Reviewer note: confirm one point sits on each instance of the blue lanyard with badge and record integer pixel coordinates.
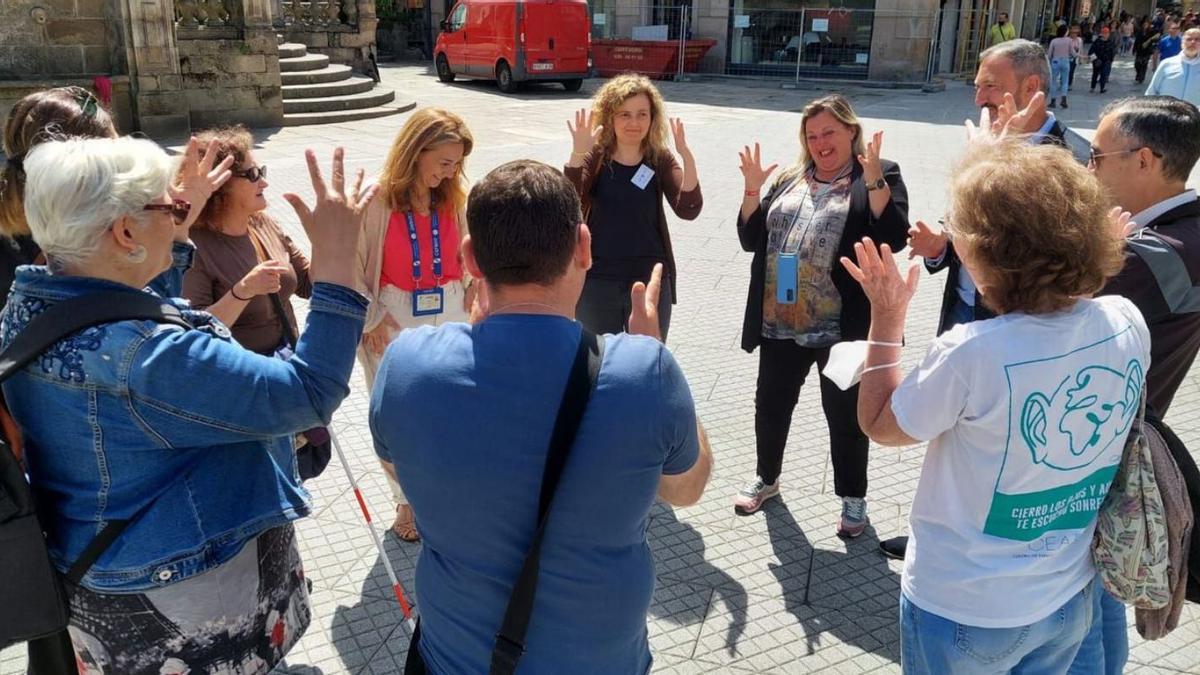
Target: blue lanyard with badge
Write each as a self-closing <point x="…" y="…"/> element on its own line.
<point x="787" y="265"/>
<point x="428" y="301"/>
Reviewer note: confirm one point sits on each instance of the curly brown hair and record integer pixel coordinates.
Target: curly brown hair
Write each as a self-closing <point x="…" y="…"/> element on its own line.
<point x="1035" y="226"/>
<point x="612" y="95"/>
<point x="233" y="140"/>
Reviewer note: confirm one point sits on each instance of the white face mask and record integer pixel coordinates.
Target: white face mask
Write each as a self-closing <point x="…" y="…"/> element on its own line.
<point x="846" y="361"/>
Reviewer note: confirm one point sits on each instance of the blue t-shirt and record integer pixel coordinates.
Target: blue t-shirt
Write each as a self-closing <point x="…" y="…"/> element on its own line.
<point x="1169" y="46"/>
<point x="465" y="414"/>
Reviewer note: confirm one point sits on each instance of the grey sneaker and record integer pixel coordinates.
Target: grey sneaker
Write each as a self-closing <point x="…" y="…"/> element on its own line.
<point x="854" y="517"/>
<point x="751" y="497"/>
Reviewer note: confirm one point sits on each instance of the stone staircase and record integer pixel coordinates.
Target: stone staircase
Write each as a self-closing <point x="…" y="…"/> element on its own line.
<point x="316" y="91"/>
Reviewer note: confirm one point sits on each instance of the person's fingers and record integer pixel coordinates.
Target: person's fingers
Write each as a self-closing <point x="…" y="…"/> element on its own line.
<point x="302" y="210"/>
<point x="210" y="156"/>
<point x="191" y="156"/>
<point x="913" y="278"/>
<point x="314" y="174"/>
<point x="366" y="198"/>
<point x="878" y="146"/>
<point x="339" y="171"/>
<point x="870" y="257"/>
<point x="637" y="298"/>
<point x="770" y="169"/>
<point x="888" y="260"/>
<point x="757" y="154"/>
<point x="356" y="191"/>
<point x="855" y="272"/>
<point x="654" y="288"/>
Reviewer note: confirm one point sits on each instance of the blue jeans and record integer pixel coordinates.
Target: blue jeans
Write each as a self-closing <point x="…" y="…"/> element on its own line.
<point x="1060" y="73"/>
<point x="936" y="645"/>
<point x="1106" y="648"/>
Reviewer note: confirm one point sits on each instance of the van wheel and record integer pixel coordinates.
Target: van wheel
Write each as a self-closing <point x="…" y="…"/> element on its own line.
<point x="572" y="85"/>
<point x="443" y="69"/>
<point x="504" y="78"/>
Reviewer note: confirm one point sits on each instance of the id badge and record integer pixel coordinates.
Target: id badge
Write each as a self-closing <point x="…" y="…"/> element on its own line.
<point x="785" y="278"/>
<point x="643" y="176"/>
<point x="427" y="302"/>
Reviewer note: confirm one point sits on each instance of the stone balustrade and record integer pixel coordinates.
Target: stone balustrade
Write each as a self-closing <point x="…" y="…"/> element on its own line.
<point x="302" y="14"/>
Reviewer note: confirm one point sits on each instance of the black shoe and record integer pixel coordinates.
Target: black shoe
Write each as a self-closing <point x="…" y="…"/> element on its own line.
<point x="894" y="548"/>
<point x="1052" y="104"/>
<point x="1103" y="91"/>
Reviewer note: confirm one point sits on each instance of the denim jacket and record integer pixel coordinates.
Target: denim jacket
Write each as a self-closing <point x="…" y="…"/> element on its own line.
<point x="184" y="426"/>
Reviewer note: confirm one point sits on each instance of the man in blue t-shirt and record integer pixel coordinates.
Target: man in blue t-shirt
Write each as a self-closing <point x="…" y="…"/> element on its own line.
<point x="465" y="414"/>
<point x="1171" y="44"/>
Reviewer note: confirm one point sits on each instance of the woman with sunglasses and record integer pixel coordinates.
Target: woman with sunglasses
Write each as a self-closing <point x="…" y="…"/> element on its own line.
<point x="246" y="269"/>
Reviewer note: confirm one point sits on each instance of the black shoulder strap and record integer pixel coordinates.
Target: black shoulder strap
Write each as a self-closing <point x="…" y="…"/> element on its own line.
<point x="1170" y="271"/>
<point x="66" y="318"/>
<point x="510" y="641"/>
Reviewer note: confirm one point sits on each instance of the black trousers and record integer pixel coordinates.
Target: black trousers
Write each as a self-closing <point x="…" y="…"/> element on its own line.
<point x="1071" y="77"/>
<point x="1140" y="64"/>
<point x="604" y="305"/>
<point x="1101" y="71"/>
<point x="782" y="367"/>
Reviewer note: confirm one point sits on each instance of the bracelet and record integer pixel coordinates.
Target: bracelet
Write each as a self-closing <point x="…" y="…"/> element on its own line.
<point x="884" y="366"/>
<point x="236" y="296"/>
<point x="751" y="193"/>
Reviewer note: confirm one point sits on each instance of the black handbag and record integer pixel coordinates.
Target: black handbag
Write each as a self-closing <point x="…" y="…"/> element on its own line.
<point x="510" y="640"/>
<point x="34" y="602"/>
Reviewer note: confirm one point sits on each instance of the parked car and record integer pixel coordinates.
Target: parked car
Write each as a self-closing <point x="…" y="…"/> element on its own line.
<point x="515" y="41"/>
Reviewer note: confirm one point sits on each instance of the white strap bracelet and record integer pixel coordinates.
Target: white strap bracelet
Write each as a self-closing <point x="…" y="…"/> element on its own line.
<point x="883" y="366"/>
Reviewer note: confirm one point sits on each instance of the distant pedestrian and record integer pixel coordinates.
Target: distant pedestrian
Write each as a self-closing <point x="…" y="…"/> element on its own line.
<point x="1179" y="76"/>
<point x="1102" y="53"/>
<point x="1001" y="31"/>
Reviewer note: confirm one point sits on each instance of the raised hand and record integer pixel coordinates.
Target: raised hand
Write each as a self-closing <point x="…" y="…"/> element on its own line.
<point x="872" y="169"/>
<point x="584" y="136"/>
<point x="924" y="242"/>
<point x="880" y="278"/>
<point x="1121" y="223"/>
<point x="643" y="319"/>
<point x="197" y="180"/>
<point x="752" y="169"/>
<point x="334" y="222"/>
<point x="680" y="137"/>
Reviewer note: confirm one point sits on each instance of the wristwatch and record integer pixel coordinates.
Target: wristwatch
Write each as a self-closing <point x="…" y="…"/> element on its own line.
<point x="877" y="185"/>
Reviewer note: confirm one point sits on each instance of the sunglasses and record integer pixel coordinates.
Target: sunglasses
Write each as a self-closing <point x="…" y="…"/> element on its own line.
<point x="253" y="174"/>
<point x="1094" y="157"/>
<point x="179" y="209"/>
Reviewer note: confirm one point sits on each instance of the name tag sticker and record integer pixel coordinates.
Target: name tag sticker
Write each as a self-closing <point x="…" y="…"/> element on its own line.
<point x="643" y="176"/>
<point x="427" y="302"/>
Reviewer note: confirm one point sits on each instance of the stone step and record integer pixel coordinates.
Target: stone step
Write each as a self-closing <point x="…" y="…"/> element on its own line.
<point x="291" y="50"/>
<point x="369" y="99"/>
<point x="353" y="85"/>
<point x="306" y="62"/>
<point x="302" y="119"/>
<point x="332" y="73"/>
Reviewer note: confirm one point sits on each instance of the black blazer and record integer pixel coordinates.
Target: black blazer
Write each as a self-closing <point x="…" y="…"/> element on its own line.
<point x="1060" y="135"/>
<point x="891" y="227"/>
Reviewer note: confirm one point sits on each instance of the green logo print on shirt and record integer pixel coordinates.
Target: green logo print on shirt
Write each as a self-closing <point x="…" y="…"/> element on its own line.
<point x="1068" y="419"/>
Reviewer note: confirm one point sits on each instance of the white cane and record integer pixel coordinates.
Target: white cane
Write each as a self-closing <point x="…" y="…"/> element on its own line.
<point x="362" y="504"/>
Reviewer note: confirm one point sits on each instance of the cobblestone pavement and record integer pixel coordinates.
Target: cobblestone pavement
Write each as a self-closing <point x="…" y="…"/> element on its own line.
<point x="773" y="592"/>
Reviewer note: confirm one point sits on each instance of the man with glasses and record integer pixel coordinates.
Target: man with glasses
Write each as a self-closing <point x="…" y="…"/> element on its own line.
<point x="1179" y="76"/>
<point x="1143" y="152"/>
<point x="1018" y="68"/>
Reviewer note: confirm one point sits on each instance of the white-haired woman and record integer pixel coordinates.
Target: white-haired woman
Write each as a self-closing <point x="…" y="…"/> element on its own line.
<point x="183" y="433"/>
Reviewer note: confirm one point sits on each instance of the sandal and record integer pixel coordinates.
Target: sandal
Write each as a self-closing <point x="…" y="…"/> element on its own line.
<point x="405" y="525"/>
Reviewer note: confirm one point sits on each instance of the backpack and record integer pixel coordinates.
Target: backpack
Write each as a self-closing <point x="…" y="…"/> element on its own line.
<point x="33" y="600"/>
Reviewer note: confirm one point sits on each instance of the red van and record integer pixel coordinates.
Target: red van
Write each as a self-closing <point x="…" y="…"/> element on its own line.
<point x="514" y="41"/>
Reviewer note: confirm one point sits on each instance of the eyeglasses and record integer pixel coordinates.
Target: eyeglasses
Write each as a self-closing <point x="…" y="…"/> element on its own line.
<point x="253" y="174"/>
<point x="1094" y="156"/>
<point x="179" y="209"/>
<point x="87" y="102"/>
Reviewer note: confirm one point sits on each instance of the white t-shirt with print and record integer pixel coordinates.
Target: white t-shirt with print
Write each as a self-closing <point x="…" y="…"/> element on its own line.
<point x="1026" y="417"/>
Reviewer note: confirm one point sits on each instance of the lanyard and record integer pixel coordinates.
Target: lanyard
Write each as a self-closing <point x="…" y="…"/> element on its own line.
<point x="812" y="200"/>
<point x="416" y="247"/>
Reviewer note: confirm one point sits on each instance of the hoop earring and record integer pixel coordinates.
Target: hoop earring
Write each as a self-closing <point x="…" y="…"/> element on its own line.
<point x="137" y="256"/>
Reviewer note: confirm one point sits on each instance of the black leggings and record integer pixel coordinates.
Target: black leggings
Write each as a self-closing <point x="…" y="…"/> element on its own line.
<point x="1100" y="71"/>
<point x="604" y="305"/>
<point x="782" y="367"/>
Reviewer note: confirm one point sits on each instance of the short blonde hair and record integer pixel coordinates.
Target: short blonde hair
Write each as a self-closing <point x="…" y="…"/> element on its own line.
<point x="612" y="95"/>
<point x="842" y="111"/>
<point x="75" y="189"/>
<point x="426" y="129"/>
<point x="1036" y="223"/>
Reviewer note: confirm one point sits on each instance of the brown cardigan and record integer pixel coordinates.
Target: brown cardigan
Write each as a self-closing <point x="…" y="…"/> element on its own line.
<point x="686" y="205"/>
